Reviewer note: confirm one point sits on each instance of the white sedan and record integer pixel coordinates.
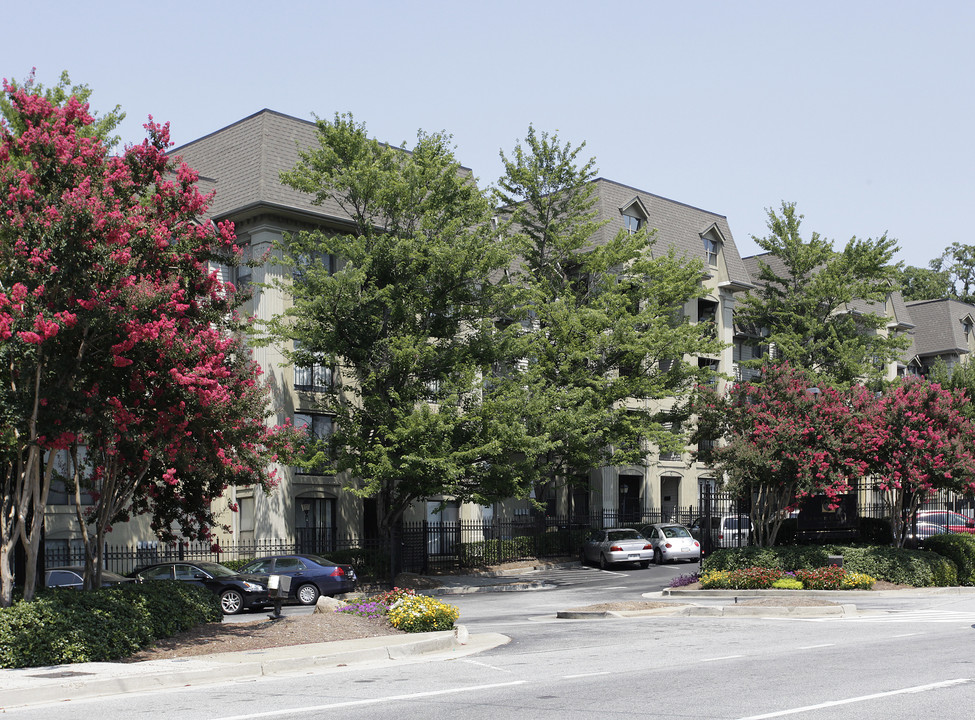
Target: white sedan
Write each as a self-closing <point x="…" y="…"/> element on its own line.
<point x="616" y="545"/>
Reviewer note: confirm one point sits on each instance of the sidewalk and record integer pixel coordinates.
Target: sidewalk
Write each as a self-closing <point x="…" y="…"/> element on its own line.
<point x="32" y="686"/>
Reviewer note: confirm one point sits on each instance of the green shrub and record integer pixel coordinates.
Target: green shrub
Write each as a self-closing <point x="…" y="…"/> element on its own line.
<point x="901" y="566"/>
<point x="237" y="564"/>
<point x="790" y="557"/>
<point x="960" y="549"/>
<point x="63" y="626"/>
<point x="421" y="613"/>
<point x="751" y="578"/>
<point x="898" y="565"/>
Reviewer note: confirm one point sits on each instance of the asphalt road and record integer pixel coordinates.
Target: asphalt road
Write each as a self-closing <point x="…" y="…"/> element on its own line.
<point x="914" y="662"/>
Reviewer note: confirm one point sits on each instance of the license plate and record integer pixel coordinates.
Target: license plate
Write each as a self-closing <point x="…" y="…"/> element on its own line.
<point x="634" y="555"/>
<point x="686" y="549"/>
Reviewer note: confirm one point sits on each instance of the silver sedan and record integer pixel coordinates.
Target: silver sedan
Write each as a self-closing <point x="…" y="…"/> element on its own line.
<point x="616" y="545"/>
<point x="671" y="541"/>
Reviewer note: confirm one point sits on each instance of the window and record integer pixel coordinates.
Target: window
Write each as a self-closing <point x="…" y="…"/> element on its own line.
<point x="711" y="367"/>
<point x="306" y="265"/>
<point x="672" y="423"/>
<point x="707" y="314"/>
<point x="711" y="251"/>
<point x="632" y="223"/>
<point x="311" y="373"/>
<point x="318" y="427"/>
<point x="313" y="378"/>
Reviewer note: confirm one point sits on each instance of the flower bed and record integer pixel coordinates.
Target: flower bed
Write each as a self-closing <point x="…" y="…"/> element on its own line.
<point x="406" y="610"/>
<point x="761" y="578"/>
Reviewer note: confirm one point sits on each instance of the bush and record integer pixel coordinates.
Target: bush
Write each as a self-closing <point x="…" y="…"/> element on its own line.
<point x="237" y="564"/>
<point x="785" y="558"/>
<point x="896" y="565"/>
<point x="901" y="566"/>
<point x="753" y="578"/>
<point x="63" y="626"/>
<point x="960" y="549"/>
<point x="856" y="581"/>
<point x="824" y="578"/>
<point x="683" y="580"/>
<point x="420" y="613"/>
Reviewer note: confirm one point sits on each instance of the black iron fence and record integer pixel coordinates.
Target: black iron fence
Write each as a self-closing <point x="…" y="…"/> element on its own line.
<point x="718" y="520"/>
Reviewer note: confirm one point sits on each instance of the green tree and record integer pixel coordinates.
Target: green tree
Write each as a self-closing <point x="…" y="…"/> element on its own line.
<point x="405" y="318"/>
<point x="815" y="305"/>
<point x="958" y="264"/>
<point x="786" y="437"/>
<point x="590" y="324"/>
<point x="925" y="284"/>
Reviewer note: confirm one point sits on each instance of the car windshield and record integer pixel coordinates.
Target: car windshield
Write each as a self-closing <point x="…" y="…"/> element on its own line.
<point x="617" y="535"/>
<point x="736" y="523"/>
<point x="214" y="569"/>
<point x="675" y="531"/>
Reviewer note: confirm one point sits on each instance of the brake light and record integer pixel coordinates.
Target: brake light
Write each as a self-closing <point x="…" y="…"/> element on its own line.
<point x="337" y="572"/>
<point x="648" y="546"/>
<point x="697" y="544"/>
<point x="668" y="545"/>
<point x="616" y="548"/>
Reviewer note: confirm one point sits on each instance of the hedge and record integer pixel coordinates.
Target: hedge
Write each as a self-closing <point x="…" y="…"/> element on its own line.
<point x="63" y="625"/>
<point x="960" y="549"/>
<point x="908" y="567"/>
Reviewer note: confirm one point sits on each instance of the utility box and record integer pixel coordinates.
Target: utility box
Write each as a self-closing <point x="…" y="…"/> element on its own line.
<point x="831" y="560"/>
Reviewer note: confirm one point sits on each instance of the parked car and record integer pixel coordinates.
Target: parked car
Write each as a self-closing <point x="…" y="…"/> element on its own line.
<point x="924" y="531"/>
<point x="671" y="542"/>
<point x="954" y="522"/>
<point x="237" y="591"/>
<point x="311" y="575"/>
<point x="616" y="545"/>
<point x="725" y="531"/>
<point x="74" y="577"/>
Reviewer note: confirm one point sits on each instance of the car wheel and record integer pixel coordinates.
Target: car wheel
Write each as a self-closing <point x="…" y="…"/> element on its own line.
<point x="658" y="557"/>
<point x="231" y="602"/>
<point x="644" y="564"/>
<point x="308" y="594"/>
<point x="603" y="563"/>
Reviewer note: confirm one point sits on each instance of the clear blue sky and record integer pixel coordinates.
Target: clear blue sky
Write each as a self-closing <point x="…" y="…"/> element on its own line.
<point x="861" y="112"/>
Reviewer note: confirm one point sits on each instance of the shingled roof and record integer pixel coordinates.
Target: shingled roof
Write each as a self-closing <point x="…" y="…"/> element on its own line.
<point x="939" y="327"/>
<point x="678" y="226"/>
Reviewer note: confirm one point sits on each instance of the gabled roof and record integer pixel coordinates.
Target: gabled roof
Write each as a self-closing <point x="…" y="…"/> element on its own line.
<point x="678" y="226"/>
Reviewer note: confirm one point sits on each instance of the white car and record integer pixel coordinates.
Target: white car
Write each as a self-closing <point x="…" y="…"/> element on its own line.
<point x="617" y="545"/>
<point x="672" y="542"/>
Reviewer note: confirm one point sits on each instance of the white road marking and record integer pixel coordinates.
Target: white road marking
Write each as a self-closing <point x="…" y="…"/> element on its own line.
<point x="813" y="647"/>
<point x="725" y="657"/>
<point x="862" y="698"/>
<point x="593" y="674"/>
<point x="371" y="701"/>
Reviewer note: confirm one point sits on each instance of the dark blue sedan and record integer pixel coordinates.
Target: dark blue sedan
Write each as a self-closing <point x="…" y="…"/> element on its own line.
<point x="311" y="575"/>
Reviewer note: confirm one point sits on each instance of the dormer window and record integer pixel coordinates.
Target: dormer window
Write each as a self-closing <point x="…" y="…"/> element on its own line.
<point x="711" y="251"/>
<point x="632" y="223"/>
<point x="634" y="216"/>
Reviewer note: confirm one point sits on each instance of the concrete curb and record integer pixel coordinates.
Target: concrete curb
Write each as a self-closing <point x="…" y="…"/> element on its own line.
<point x="42" y="685"/>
